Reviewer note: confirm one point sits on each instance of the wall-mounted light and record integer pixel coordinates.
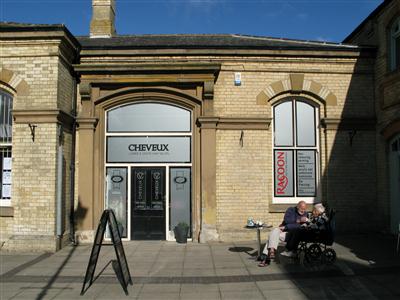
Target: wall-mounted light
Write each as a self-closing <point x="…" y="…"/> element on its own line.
<point x="241" y="139"/>
<point x="32" y="128"/>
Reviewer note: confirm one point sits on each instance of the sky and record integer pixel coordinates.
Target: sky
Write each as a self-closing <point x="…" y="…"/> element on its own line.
<point x="317" y="20"/>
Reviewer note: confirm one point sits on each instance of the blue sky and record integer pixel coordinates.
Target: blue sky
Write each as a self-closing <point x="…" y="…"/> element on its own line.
<point x="323" y="20"/>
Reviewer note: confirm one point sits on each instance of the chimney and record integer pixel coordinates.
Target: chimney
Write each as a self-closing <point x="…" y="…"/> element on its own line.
<point x="103" y="19"/>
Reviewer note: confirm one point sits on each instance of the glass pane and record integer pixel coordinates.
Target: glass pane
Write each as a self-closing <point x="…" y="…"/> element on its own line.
<point x="397" y="52"/>
<point x="283" y="173"/>
<point x="5" y="117"/>
<point x="283" y="124"/>
<point x="5" y="164"/>
<point x="116" y="197"/>
<point x="305" y="124"/>
<point x="395" y="146"/>
<point x="180" y="196"/>
<point x="306" y="178"/>
<point x="148" y="117"/>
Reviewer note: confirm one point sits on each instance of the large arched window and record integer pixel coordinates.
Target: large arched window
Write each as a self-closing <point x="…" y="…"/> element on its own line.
<point x="395" y="45"/>
<point x="295" y="151"/>
<point x="6" y="103"/>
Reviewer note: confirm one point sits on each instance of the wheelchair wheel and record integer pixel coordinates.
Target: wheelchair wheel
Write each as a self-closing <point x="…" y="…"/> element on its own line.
<point x="329" y="256"/>
<point x="313" y="252"/>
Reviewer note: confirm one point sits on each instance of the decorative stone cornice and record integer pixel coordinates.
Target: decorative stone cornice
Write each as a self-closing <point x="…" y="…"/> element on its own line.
<point x="208" y="93"/>
<point x="43" y="116"/>
<point x="234" y="123"/>
<point x="349" y="123"/>
<point x="85" y="90"/>
<point x="86" y="123"/>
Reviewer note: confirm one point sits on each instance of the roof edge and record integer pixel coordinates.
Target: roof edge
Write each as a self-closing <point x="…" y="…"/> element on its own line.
<point x="25" y="28"/>
<point x="374" y="13"/>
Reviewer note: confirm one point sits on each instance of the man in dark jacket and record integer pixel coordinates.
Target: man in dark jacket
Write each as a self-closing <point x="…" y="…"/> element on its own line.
<point x="292" y="220"/>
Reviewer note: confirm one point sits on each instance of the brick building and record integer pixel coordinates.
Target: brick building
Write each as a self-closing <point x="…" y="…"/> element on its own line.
<point x="205" y="129"/>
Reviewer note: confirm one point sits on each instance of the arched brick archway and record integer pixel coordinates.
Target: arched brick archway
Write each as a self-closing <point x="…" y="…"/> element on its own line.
<point x="14" y="81"/>
<point x="296" y="84"/>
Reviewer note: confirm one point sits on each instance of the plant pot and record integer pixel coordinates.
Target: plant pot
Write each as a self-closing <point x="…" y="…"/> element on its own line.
<point x="181" y="233"/>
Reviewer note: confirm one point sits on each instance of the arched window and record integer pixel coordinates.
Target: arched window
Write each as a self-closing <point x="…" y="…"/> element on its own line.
<point x="6" y="103"/>
<point x="395" y="45"/>
<point x="295" y="151"/>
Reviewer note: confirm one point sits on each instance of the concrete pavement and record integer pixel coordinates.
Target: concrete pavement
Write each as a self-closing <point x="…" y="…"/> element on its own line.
<point x="367" y="267"/>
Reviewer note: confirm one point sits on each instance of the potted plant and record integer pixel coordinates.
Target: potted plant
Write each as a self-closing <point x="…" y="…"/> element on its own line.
<point x="181" y="232"/>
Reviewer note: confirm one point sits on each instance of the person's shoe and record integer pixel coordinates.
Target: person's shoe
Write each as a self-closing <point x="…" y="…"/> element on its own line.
<point x="263" y="263"/>
<point x="289" y="253"/>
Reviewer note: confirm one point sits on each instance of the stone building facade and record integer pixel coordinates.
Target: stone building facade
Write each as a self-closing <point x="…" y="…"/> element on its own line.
<point x="382" y="31"/>
<point x="206" y="129"/>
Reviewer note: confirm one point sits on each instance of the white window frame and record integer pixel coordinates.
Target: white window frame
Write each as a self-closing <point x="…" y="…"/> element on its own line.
<point x="7" y="147"/>
<point x="294" y="148"/>
<point x="393" y="36"/>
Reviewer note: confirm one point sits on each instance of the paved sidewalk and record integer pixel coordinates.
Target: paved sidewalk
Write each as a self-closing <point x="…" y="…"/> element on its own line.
<point x="367" y="268"/>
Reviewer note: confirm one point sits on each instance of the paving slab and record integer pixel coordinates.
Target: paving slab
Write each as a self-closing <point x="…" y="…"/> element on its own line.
<point x="166" y="270"/>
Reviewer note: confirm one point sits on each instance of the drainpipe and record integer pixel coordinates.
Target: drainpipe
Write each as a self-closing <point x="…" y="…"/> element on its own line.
<point x="59" y="218"/>
<point x="72" y="169"/>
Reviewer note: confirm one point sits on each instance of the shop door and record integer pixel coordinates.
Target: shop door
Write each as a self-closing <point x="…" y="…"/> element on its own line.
<point x="148" y="203"/>
<point x="394" y="166"/>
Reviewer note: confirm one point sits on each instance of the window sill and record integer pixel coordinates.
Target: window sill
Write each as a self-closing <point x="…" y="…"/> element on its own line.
<point x="391" y="77"/>
<point x="6" y="211"/>
<point x="279" y="208"/>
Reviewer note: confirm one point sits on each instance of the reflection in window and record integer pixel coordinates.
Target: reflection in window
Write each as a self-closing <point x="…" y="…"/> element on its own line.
<point x="395" y="45"/>
<point x="283" y="124"/>
<point x="148" y="117"/>
<point x="116" y="196"/>
<point x="6" y="103"/>
<point x="295" y="149"/>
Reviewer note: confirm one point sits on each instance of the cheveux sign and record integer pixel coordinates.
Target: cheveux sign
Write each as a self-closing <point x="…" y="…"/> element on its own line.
<point x="148" y="149"/>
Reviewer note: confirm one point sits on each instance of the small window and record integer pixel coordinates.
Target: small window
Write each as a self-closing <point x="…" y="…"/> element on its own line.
<point x="6" y="102"/>
<point x="395" y="45"/>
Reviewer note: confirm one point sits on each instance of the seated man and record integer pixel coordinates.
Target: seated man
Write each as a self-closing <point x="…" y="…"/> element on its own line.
<point x="293" y="218"/>
<point x="307" y="231"/>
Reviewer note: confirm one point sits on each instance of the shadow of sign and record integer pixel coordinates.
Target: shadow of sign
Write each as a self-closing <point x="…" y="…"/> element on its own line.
<point x="246" y="250"/>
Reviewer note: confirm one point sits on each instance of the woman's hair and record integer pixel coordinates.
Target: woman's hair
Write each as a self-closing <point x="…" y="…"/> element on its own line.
<point x="319" y="207"/>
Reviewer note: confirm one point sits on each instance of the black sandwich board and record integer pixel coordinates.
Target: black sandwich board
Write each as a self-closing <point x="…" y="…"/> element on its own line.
<point x="108" y="217"/>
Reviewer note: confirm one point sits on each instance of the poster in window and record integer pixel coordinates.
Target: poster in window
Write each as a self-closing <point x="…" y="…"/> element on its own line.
<point x="6" y="163"/>
<point x="6" y="191"/>
<point x="306" y="179"/>
<point x="283" y="173"/>
<point x="6" y="177"/>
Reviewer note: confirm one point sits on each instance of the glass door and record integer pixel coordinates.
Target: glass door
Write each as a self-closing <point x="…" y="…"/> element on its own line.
<point x="148" y="203"/>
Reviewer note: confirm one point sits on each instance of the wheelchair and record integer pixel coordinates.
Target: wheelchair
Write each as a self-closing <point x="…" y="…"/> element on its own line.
<point x="317" y="248"/>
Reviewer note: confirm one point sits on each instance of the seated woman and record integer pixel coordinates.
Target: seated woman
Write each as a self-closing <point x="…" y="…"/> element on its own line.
<point x="316" y="225"/>
<point x="294" y="217"/>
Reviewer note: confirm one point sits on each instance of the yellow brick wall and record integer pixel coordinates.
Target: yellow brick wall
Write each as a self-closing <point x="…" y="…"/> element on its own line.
<point x="245" y="174"/>
<point x="35" y="162"/>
